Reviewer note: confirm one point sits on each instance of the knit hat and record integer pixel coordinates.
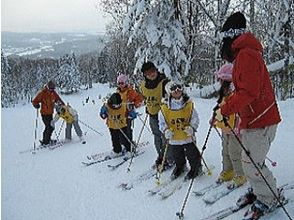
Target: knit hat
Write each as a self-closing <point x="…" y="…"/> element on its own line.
<point x="115" y="100"/>
<point x="225" y="72"/>
<point x="122" y="79"/>
<point x="148" y="66"/>
<point x="235" y="25"/>
<point x="51" y="85"/>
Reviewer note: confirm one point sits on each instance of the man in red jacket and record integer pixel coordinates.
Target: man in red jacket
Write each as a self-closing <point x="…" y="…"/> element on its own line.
<point x="47" y="97"/>
<point x="254" y="101"/>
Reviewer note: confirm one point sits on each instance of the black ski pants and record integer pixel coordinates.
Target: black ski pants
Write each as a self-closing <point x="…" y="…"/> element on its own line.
<point x="180" y="152"/>
<point x="118" y="138"/>
<point x="48" y="128"/>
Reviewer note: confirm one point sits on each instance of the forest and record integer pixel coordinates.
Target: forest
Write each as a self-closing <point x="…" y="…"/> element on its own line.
<point x="182" y="37"/>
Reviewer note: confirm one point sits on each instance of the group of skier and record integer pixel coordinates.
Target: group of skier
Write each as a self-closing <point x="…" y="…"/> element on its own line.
<point x="246" y="112"/>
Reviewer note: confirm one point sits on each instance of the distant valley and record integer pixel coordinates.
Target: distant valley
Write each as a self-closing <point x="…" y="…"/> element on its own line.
<point x="50" y="45"/>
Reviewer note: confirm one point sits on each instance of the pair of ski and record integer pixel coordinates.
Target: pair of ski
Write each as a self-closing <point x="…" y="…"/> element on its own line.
<point x="128" y="185"/>
<point x="167" y="188"/>
<point x="110" y="157"/>
<point x="226" y="212"/>
<point x="100" y="155"/>
<point x="42" y="147"/>
<point x="214" y="192"/>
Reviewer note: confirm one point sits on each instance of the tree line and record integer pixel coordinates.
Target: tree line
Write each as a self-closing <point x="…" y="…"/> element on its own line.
<point x="181" y="37"/>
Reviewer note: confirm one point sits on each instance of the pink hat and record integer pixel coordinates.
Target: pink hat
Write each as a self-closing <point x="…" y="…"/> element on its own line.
<point x="225" y="72"/>
<point x="122" y="79"/>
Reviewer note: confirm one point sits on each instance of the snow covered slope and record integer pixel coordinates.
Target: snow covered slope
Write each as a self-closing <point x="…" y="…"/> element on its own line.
<point x="55" y="185"/>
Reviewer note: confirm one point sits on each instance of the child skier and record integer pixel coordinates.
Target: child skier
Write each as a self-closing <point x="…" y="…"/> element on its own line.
<point x="231" y="152"/>
<point x="70" y="116"/>
<point x="116" y="114"/>
<point x="129" y="96"/>
<point x="178" y="121"/>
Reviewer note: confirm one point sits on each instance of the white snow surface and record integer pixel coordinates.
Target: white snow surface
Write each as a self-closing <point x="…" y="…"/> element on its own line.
<point x="55" y="185"/>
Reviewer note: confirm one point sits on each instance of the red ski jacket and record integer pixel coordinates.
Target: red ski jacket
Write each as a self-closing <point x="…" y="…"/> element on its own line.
<point x="254" y="98"/>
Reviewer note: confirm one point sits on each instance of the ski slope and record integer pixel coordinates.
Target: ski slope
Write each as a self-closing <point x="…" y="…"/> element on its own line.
<point x="55" y="185"/>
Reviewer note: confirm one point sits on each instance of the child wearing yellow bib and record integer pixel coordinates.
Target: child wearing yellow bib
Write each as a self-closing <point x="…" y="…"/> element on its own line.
<point x="178" y="121"/>
<point x="116" y="113"/>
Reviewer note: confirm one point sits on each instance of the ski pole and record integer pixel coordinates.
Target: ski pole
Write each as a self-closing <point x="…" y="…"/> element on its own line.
<point x="161" y="166"/>
<point x="202" y="158"/>
<point x="144" y="122"/>
<point x="139" y="137"/>
<point x="59" y="132"/>
<point x="90" y="127"/>
<point x="257" y="168"/>
<point x="273" y="163"/>
<point x="180" y="214"/>
<point x="36" y="128"/>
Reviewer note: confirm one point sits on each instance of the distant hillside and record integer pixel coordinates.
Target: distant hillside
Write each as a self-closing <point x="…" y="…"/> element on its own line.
<point x="53" y="45"/>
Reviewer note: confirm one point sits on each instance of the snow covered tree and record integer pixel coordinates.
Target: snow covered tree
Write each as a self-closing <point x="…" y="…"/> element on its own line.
<point x="7" y="86"/>
<point x="157" y="26"/>
<point x="68" y="75"/>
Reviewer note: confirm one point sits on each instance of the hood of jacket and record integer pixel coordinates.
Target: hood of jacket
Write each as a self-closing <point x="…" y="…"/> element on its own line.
<point x="246" y="40"/>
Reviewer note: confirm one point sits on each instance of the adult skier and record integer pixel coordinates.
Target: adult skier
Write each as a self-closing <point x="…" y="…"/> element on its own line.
<point x="152" y="88"/>
<point x="254" y="100"/>
<point x="47" y="97"/>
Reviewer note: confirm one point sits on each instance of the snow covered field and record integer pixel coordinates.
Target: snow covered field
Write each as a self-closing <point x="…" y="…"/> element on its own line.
<point x="55" y="185"/>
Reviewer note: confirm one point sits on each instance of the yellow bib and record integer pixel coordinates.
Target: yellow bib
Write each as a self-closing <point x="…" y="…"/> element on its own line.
<point x="66" y="116"/>
<point x="123" y="95"/>
<point x="152" y="98"/>
<point x="177" y="120"/>
<point x="117" y="117"/>
<point x="231" y="120"/>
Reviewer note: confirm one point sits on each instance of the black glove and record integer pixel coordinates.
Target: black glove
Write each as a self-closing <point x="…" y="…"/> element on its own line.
<point x="37" y="106"/>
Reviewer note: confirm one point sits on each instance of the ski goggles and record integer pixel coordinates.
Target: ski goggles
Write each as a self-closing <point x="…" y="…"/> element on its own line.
<point x="176" y="87"/>
<point x="116" y="105"/>
<point x="121" y="83"/>
<point x="231" y="33"/>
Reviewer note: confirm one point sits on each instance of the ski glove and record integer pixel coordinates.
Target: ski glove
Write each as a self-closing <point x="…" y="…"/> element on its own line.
<point x="133" y="115"/>
<point x="168" y="134"/>
<point x="218" y="115"/>
<point x="37" y="106"/>
<point x="189" y="131"/>
<point x="103" y="112"/>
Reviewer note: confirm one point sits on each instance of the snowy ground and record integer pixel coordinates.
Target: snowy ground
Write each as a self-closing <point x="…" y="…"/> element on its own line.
<point x="54" y="184"/>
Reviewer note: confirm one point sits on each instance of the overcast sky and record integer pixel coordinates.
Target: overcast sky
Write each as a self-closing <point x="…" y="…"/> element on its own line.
<point x="51" y="16"/>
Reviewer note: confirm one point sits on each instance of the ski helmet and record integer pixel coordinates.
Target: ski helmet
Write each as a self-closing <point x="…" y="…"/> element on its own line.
<point x="173" y="86"/>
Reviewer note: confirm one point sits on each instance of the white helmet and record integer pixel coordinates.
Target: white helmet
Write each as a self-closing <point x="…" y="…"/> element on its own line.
<point x="173" y="86"/>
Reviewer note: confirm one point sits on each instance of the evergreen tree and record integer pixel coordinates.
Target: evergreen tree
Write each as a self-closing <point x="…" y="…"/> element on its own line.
<point x="68" y="76"/>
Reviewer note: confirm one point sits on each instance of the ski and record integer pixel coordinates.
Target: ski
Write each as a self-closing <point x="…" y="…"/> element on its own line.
<point x="109" y="157"/>
<point x="173" y="186"/>
<point x="41" y="147"/>
<point x="139" y="179"/>
<point x="178" y="184"/>
<point x="125" y="159"/>
<point x="168" y="187"/>
<point x="100" y="155"/>
<point x="106" y="158"/>
<point x="218" y="193"/>
<point x="206" y="189"/>
<point x="226" y="212"/>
